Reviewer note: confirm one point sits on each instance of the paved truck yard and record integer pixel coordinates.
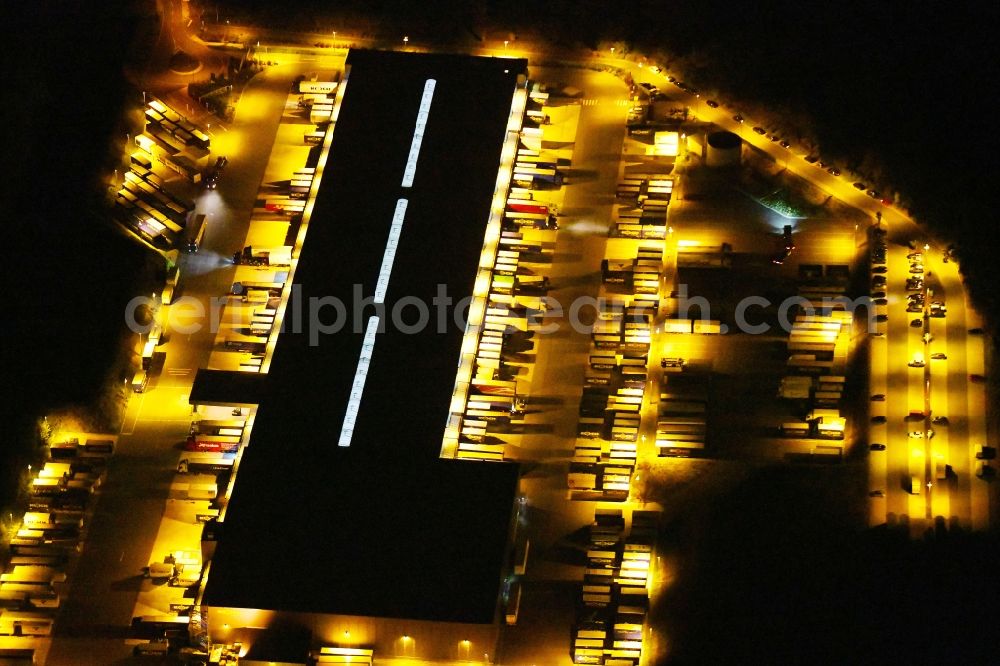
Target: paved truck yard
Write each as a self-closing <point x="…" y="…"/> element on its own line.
<point x="425" y="382"/>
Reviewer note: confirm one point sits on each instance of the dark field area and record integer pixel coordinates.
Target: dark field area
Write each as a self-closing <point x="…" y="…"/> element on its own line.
<point x="68" y="275"/>
<point x="774" y="566"/>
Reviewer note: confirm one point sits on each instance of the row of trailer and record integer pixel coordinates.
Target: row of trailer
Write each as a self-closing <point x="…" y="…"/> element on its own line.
<point x="534" y="168"/>
<point x="637" y="275"/>
<point x="158" y="114"/>
<point x="516" y="303"/>
<point x="637" y="190"/>
<point x="610" y="410"/>
<point x="691" y="254"/>
<point x="51" y="531"/>
<point x="821" y="423"/>
<point x="681" y="421"/>
<point x="614" y="597"/>
<point x="319" y="107"/>
<point x="212" y="446"/>
<point x="262" y="296"/>
<point x="144" y="206"/>
<point x="607" y="444"/>
<point x="173" y="141"/>
<point x="818" y="344"/>
<point x="642" y="213"/>
<point x="211" y="449"/>
<point x="251" y="336"/>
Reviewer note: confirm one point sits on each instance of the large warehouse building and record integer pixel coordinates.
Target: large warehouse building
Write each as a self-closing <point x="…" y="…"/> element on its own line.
<point x="344" y="524"/>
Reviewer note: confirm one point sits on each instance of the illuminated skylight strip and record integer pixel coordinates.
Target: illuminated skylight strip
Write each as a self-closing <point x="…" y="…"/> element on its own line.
<point x="390" y="251"/>
<point x="418" y="132"/>
<point x="358" y="387"/>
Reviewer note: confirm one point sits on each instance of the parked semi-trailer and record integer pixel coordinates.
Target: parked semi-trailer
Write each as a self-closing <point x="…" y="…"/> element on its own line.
<point x="214" y="443"/>
<point x="522" y="206"/>
<point x="272" y="256"/>
<point x="205" y="462"/>
<point x="241" y="288"/>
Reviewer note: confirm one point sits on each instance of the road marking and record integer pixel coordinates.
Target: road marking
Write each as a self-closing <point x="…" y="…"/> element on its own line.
<point x="178" y="372"/>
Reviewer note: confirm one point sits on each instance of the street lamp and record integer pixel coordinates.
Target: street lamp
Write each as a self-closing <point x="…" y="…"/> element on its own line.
<point x="505" y="45"/>
<point x="405" y="40"/>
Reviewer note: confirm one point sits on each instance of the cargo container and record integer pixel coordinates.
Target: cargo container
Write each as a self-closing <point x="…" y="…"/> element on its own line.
<point x="216" y="443"/>
<point x="205" y="462"/>
<point x="795" y="429"/>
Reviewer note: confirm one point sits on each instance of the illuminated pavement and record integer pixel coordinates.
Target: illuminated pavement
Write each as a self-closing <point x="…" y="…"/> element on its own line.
<point x="552" y="584"/>
<point x="128" y="532"/>
<point x="142" y="513"/>
<point x="961" y="498"/>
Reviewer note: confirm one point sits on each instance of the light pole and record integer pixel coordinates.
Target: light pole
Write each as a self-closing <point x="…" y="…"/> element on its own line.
<point x="505" y="45"/>
<point x="406" y="40"/>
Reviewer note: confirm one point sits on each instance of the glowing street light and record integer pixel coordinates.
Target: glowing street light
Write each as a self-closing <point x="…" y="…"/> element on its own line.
<point x="505" y="44"/>
<point x="406" y="40"/>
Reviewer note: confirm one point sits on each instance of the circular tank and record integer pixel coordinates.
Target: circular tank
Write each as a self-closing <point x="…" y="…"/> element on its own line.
<point x="723" y="149"/>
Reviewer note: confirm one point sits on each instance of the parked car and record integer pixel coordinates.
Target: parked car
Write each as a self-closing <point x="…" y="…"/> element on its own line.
<point x="859" y="186"/>
<point x="879" y="397"/>
<point x="877" y="447"/>
<point x="712" y="103"/>
<point x="738" y="118"/>
<point x="760" y="130"/>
